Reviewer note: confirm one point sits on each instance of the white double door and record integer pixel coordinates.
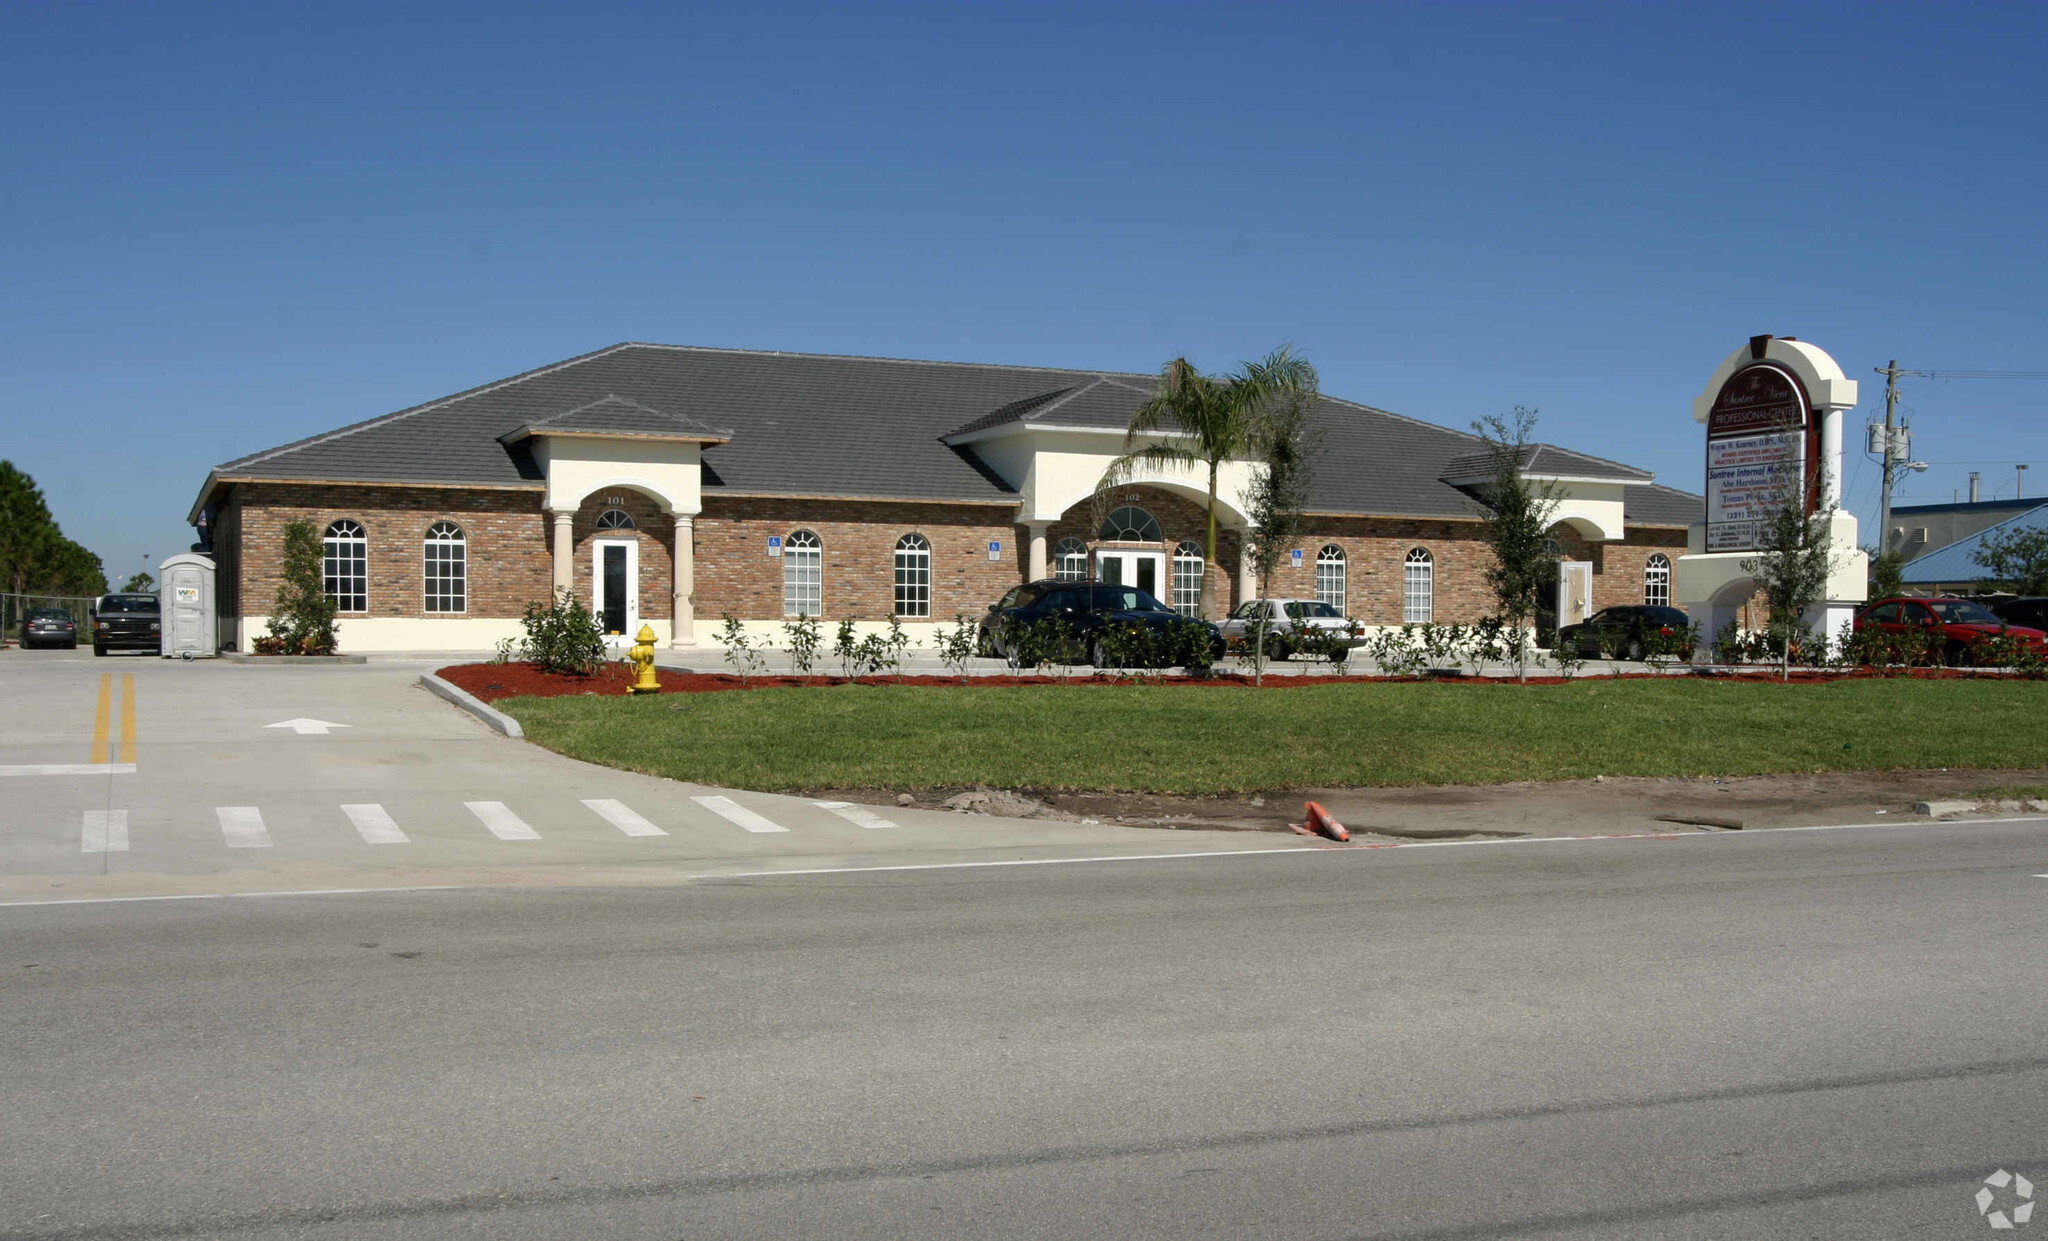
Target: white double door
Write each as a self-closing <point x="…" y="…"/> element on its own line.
<point x="1121" y="567"/>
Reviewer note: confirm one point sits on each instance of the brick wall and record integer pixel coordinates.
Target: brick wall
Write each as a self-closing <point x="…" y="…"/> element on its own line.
<point x="510" y="562"/>
<point x="735" y="573"/>
<point x="506" y="533"/>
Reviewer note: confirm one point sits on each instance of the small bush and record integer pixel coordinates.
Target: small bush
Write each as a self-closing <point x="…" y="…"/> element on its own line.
<point x="302" y="620"/>
<point x="956" y="645"/>
<point x="802" y="641"/>
<point x="739" y="649"/>
<point x="562" y="636"/>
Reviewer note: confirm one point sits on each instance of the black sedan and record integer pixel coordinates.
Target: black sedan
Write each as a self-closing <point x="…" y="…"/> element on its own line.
<point x="1090" y="611"/>
<point x="126" y="623"/>
<point x="49" y="627"/>
<point x="1627" y="632"/>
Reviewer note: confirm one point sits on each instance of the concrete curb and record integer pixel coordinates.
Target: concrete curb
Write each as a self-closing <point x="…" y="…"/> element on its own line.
<point x="490" y="715"/>
<point x="236" y="657"/>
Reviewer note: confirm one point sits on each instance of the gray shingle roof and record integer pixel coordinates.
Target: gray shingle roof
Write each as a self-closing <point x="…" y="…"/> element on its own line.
<point x="1548" y="460"/>
<point x="812" y="424"/>
<point x="615" y="415"/>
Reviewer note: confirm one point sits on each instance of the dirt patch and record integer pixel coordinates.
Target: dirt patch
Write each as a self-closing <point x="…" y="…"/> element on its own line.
<point x="1603" y="806"/>
<point x="491" y="682"/>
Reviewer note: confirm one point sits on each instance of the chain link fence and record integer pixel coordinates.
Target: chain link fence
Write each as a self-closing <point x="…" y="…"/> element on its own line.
<point x="15" y="609"/>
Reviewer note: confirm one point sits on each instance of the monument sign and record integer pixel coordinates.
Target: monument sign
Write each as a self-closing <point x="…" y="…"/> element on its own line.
<point x="1761" y="437"/>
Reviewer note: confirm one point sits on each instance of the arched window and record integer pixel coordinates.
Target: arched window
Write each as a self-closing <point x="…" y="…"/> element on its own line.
<point x="345" y="566"/>
<point x="447" y="568"/>
<point x="1070" y="560"/>
<point x="913" y="576"/>
<point x="1330" y="576"/>
<point x="1187" y="579"/>
<point x="615" y="519"/>
<point x="803" y="575"/>
<point x="1418" y="588"/>
<point x="1131" y="524"/>
<point x="1657" y="581"/>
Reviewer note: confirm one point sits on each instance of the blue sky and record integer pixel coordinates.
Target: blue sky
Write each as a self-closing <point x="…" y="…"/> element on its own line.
<point x="226" y="227"/>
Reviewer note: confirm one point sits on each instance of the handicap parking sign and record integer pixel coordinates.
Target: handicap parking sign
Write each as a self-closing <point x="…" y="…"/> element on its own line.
<point x="1295" y="555"/>
<point x="775" y="546"/>
<point x="995" y="550"/>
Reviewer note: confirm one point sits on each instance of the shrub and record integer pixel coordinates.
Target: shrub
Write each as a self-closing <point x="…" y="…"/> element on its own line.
<point x="896" y="643"/>
<point x="1486" y="643"/>
<point x="957" y="645"/>
<point x="739" y="648"/>
<point x="803" y="639"/>
<point x="846" y="647"/>
<point x="562" y="636"/>
<point x="1397" y="652"/>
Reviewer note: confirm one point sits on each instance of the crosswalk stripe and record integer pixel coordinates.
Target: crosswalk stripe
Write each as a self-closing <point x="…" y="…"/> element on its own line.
<point x="854" y="814"/>
<point x="503" y="823"/>
<point x="727" y="808"/>
<point x="242" y="827"/>
<point x="374" y="823"/>
<point x="106" y="831"/>
<point x="622" y="816"/>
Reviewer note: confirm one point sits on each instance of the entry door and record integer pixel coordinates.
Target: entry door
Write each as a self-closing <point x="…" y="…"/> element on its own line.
<point x="184" y="611"/>
<point x="1574" y="591"/>
<point x="615" y="585"/>
<point x="1145" y="570"/>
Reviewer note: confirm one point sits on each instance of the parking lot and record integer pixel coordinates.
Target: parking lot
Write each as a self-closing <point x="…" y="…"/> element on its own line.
<point x="140" y="777"/>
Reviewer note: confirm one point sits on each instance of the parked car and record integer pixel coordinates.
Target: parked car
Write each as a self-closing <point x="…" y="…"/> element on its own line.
<point x="126" y="623"/>
<point x="49" y="627"/>
<point x="1088" y="607"/>
<point x="2031" y="611"/>
<point x="1956" y="624"/>
<point x="1625" y="632"/>
<point x="1284" y="618"/>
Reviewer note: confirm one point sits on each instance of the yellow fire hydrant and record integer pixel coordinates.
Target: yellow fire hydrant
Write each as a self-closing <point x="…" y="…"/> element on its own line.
<point x="642" y="655"/>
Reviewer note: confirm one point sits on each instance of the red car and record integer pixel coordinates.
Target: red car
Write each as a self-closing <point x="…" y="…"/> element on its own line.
<point x="1962" y="624"/>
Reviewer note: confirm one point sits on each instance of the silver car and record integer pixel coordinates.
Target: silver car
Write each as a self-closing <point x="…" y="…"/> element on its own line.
<point x="1285" y="619"/>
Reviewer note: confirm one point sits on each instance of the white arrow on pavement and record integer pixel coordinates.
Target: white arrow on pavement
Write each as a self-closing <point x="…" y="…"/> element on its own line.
<point x="302" y="726"/>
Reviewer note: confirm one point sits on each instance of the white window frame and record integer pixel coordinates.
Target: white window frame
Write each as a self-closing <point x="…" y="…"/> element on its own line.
<point x="803" y="574"/>
<point x="444" y="556"/>
<point x="1418" y="587"/>
<point x="1187" y="579"/>
<point x="1657" y="581"/>
<point x="1069" y="560"/>
<point x="1332" y="565"/>
<point x="1116" y="529"/>
<point x="354" y="549"/>
<point x="615" y="519"/>
<point x="913" y="565"/>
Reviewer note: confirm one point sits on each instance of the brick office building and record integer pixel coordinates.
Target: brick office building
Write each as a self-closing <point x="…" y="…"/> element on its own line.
<point x="670" y="486"/>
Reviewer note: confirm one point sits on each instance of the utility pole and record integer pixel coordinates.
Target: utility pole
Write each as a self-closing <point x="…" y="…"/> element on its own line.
<point x="1891" y="421"/>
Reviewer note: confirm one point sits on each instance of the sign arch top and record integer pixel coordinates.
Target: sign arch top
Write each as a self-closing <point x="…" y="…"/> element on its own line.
<point x="1819" y="374"/>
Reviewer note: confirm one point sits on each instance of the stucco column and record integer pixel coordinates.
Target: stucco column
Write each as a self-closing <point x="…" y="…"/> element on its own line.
<point x="1831" y="459"/>
<point x="1247" y="581"/>
<point x="1035" y="560"/>
<point x="683" y="626"/>
<point x="565" y="550"/>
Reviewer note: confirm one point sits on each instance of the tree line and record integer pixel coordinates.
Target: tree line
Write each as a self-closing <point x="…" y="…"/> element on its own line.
<point x="35" y="557"/>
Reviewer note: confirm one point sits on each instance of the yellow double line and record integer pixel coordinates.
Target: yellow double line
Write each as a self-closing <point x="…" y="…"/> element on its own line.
<point x="102" y="724"/>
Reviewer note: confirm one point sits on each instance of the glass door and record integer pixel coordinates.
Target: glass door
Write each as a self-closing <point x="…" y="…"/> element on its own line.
<point x="1144" y="570"/>
<point x="615" y="581"/>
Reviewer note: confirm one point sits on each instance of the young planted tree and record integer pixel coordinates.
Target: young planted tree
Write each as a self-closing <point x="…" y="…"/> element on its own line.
<point x="1791" y="567"/>
<point x="1515" y="524"/>
<point x="302" y="620"/>
<point x="1275" y="499"/>
<point x="2015" y="559"/>
<point x="1204" y="420"/>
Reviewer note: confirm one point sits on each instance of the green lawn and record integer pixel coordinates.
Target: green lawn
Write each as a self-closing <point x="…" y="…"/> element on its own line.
<point x="1170" y="739"/>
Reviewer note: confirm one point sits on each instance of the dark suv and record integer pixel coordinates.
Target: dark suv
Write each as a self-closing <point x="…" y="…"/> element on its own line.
<point x="1088" y="608"/>
<point x="126" y="623"/>
<point x="2028" y="611"/>
<point x="1626" y="632"/>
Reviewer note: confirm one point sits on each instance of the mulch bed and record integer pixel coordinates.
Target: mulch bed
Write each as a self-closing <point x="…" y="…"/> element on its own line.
<point x="491" y="682"/>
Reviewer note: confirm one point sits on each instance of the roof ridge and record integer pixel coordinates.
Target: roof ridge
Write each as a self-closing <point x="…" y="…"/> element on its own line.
<point x="1623" y="465"/>
<point x="873" y="357"/>
<point x="437" y="403"/>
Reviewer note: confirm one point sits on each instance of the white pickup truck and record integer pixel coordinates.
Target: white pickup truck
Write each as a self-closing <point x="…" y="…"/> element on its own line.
<point x="1284" y="619"/>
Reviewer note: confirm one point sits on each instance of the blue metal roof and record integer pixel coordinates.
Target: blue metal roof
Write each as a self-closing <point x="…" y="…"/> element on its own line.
<point x="1957" y="562"/>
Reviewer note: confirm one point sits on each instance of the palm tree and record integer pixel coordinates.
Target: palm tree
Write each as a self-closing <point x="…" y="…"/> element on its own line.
<point x="1207" y="420"/>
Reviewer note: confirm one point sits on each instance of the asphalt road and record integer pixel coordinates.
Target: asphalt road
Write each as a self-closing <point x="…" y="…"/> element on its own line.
<point x="1779" y="1034"/>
